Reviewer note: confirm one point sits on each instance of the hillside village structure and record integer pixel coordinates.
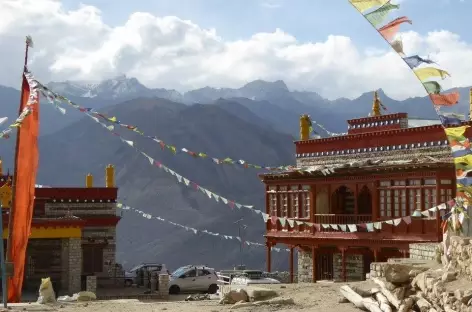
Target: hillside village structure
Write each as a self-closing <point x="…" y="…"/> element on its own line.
<point x="393" y="167"/>
<point x="73" y="233"/>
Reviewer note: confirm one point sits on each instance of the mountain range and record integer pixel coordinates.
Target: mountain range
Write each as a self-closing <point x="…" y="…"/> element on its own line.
<point x="257" y="122"/>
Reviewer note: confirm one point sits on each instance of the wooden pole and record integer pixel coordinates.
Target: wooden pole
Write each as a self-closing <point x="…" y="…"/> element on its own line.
<point x="15" y="176"/>
<point x="291" y="264"/>
<point x="269" y="256"/>
<point x="313" y="264"/>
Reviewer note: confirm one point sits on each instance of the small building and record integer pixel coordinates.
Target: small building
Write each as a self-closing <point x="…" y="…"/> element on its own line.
<point x="73" y="233"/>
<point x="386" y="168"/>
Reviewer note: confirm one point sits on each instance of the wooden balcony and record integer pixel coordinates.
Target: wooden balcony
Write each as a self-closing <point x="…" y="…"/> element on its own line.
<point x="429" y="228"/>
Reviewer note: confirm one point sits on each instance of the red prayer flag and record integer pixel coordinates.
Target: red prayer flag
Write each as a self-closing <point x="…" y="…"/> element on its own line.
<point x="24" y="187"/>
<point x="445" y="99"/>
<point x="390" y="30"/>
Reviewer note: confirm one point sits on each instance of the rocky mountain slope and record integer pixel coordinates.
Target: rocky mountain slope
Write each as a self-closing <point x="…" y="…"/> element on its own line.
<point x="68" y="155"/>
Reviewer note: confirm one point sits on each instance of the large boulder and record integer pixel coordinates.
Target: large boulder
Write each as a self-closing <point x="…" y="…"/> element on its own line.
<point x="235" y="295"/>
<point x="397" y="273"/>
<point x="259" y="293"/>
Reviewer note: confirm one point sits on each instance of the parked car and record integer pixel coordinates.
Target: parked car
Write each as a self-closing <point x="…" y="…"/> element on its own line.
<point x="133" y="276"/>
<point x="252" y="277"/>
<point x="193" y="278"/>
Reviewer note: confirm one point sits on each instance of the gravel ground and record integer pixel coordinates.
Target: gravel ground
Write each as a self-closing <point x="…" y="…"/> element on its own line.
<point x="322" y="296"/>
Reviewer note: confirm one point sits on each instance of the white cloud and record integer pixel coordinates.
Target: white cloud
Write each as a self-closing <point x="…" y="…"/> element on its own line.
<point x="271" y="4"/>
<point x="173" y="53"/>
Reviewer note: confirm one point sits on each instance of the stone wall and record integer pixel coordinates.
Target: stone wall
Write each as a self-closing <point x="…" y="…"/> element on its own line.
<point x="305" y="267"/>
<point x="424" y="251"/>
<point x="72" y="264"/>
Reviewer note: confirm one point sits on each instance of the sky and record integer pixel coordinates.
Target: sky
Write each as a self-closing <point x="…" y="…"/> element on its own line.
<point x="324" y="46"/>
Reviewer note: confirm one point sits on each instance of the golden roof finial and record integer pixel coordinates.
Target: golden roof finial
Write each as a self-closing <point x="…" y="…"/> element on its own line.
<point x="376" y="105"/>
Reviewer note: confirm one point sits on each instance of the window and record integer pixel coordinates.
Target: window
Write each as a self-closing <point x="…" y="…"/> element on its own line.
<point x="399" y="182"/>
<point x="201" y="272"/>
<point x="283" y="197"/>
<point x="305" y="195"/>
<point x="445" y="195"/>
<point x="414" y="182"/>
<point x="272" y="204"/>
<point x="446" y="182"/>
<point x="399" y="202"/>
<point x="396" y="203"/>
<point x="429" y="181"/>
<point x="428" y="198"/>
<point x="412" y="200"/>
<point x="417" y="199"/>
<point x="385" y="183"/>
<point x="191" y="273"/>
<point x="388" y="206"/>
<point x="403" y="209"/>
<point x="382" y="203"/>
<point x="294" y="200"/>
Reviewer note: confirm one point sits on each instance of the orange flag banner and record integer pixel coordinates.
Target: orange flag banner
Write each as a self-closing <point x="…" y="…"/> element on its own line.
<point x="24" y="187"/>
<point x="390" y="30"/>
<point x="445" y="99"/>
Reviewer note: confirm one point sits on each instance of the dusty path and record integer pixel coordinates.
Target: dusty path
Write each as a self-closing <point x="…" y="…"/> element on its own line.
<point x="322" y="297"/>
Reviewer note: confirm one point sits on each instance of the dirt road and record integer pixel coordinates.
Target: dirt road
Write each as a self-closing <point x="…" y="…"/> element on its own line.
<point x="322" y="296"/>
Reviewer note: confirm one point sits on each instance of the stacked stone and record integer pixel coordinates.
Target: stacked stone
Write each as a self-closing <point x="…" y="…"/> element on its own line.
<point x="426" y="251"/>
<point x="461" y="256"/>
<point x="154" y="280"/>
<point x="377" y="269"/>
<point x="164" y="286"/>
<point x="305" y="267"/>
<point x="91" y="284"/>
<point x="71" y="262"/>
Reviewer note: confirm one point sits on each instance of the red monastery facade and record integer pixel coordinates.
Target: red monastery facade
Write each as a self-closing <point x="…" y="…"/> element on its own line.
<point x="73" y="233"/>
<point x="386" y="172"/>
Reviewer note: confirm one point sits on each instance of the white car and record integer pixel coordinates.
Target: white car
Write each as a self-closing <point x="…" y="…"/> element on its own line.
<point x="193" y="278"/>
<point x="252" y="277"/>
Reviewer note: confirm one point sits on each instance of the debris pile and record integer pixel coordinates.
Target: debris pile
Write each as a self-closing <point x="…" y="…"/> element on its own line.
<point x="253" y="296"/>
<point x="407" y="287"/>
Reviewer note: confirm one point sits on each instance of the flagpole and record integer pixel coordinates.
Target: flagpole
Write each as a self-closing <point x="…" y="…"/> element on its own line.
<point x="15" y="170"/>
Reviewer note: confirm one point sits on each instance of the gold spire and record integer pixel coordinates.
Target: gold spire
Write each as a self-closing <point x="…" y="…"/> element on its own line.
<point x="376" y="105"/>
<point x="110" y="176"/>
<point x="304" y="127"/>
<point x="89" y="180"/>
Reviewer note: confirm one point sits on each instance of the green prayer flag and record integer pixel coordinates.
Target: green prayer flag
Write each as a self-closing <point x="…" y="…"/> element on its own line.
<point x="432" y="87"/>
<point x="378" y="16"/>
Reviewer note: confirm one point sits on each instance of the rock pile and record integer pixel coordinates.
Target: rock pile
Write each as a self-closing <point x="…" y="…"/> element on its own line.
<point x="410" y="287"/>
<point x="460" y="256"/>
<point x="253" y="296"/>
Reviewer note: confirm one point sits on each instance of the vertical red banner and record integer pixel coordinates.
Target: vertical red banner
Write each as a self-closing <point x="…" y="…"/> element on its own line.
<point x="24" y="186"/>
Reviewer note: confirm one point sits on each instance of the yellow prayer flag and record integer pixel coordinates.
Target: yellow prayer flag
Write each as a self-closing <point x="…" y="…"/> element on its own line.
<point x="456" y="131"/>
<point x="364" y="5"/>
<point x="112" y="119"/>
<point x="467" y="159"/>
<point x="428" y="72"/>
